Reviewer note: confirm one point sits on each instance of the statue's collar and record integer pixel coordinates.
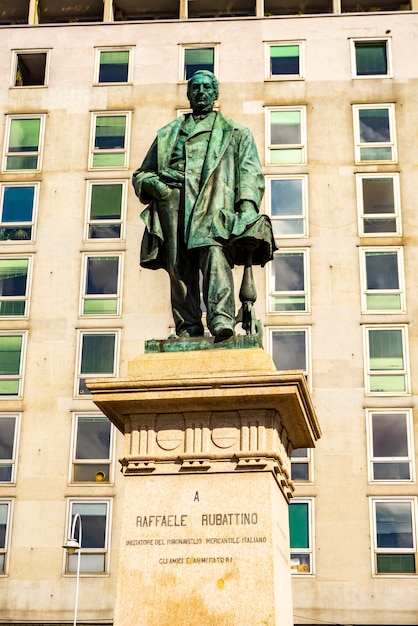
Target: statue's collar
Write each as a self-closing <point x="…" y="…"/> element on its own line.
<point x="203" y="116"/>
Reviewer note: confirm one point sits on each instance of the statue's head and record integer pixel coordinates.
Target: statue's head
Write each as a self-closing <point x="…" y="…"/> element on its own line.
<point x="202" y="91"/>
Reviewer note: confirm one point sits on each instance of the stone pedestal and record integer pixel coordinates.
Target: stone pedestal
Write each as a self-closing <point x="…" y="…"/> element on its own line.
<point x="208" y="435"/>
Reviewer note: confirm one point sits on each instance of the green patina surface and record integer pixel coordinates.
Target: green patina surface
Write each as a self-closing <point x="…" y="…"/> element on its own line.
<point x="178" y="344"/>
<point x="202" y="184"/>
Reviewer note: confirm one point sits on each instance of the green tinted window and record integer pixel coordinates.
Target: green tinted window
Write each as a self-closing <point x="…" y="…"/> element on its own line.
<point x="386" y="349"/>
<point x="24" y="135"/>
<point x="106" y="201"/>
<point x="374" y="128"/>
<point x="299" y="525"/>
<point x="10" y="364"/>
<point x="23" y="148"/>
<point x="10" y="354"/>
<point x="13" y="283"/>
<point x="98" y="354"/>
<point x="284" y="60"/>
<point x="114" y="66"/>
<point x="371" y="58"/>
<point x="198" y="59"/>
<point x="110" y="132"/>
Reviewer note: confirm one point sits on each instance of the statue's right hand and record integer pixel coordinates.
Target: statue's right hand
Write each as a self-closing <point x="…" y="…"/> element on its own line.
<point x="155" y="188"/>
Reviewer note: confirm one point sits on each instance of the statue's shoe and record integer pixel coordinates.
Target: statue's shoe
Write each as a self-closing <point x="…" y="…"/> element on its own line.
<point x="222" y="333"/>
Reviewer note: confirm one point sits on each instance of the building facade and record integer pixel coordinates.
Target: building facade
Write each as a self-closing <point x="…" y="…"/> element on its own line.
<point x="329" y="90"/>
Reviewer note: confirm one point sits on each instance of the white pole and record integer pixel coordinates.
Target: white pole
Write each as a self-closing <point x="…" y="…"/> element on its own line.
<point x="77" y="517"/>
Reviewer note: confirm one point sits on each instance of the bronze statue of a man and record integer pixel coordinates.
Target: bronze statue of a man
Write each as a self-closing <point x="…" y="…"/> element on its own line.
<point x="203" y="184"/>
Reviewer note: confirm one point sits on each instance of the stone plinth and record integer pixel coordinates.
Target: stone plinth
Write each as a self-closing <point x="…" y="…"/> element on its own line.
<point x="208" y="437"/>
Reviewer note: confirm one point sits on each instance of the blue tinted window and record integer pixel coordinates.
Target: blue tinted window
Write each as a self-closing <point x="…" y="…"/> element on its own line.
<point x="18" y="204"/>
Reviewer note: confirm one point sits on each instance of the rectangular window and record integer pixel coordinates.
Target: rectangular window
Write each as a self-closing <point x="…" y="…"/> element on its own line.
<point x="387" y="369"/>
<point x="24" y="142"/>
<point x="394" y="534"/>
<point x="9" y="428"/>
<point x="11" y="364"/>
<point x="289" y="348"/>
<point x="286" y="135"/>
<point x="289" y="282"/>
<point x="17" y="218"/>
<point x="390" y="445"/>
<point x="300" y="526"/>
<point x="113" y="66"/>
<point x="374" y="131"/>
<point x="92" y="449"/>
<point x="287" y="203"/>
<point x="382" y="280"/>
<point x="370" y="57"/>
<point x="14" y="286"/>
<point x="30" y="68"/>
<point x="284" y="60"/>
<point x="5" y="524"/>
<point x="105" y="209"/>
<point x="379" y="204"/>
<point x="101" y="284"/>
<point x="110" y="140"/>
<point x="97" y="357"/>
<point x="196" y="58"/>
<point x="301" y="465"/>
<point x="94" y="516"/>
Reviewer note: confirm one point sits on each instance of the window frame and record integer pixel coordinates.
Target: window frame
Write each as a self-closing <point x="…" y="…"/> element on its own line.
<point x="110" y="461"/>
<point x="310" y="551"/>
<point x="363" y="216"/>
<point x="20" y="376"/>
<point x="289" y="218"/>
<point x="359" y="145"/>
<point x="8" y="534"/>
<point x="79" y="376"/>
<point x="366" y="40"/>
<point x="302" y="146"/>
<point x="38" y="153"/>
<point x="88" y="551"/>
<point x="91" y="222"/>
<point x="193" y="46"/>
<point x="29" y="51"/>
<point x="308" y="460"/>
<point x="290" y="329"/>
<point x="125" y="151"/>
<point x="13" y="461"/>
<point x="375" y="551"/>
<point x="398" y="250"/>
<point x="410" y="458"/>
<point x="84" y="297"/>
<point x="31" y="224"/>
<point x="369" y="372"/>
<point x="97" y="64"/>
<point x="26" y="298"/>
<point x="305" y="293"/>
<point x="280" y="77"/>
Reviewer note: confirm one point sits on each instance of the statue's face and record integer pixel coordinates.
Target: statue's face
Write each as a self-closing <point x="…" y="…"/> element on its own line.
<point x="202" y="95"/>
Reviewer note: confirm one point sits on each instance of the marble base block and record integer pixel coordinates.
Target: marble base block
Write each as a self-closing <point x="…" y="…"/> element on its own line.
<point x="204" y="550"/>
<point x="208" y="437"/>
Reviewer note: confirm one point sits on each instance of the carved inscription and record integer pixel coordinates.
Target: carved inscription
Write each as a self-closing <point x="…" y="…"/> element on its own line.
<point x="146" y="521"/>
<point x="236" y="524"/>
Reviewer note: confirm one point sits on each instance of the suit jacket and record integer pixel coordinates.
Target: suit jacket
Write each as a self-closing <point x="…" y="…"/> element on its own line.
<point x="231" y="173"/>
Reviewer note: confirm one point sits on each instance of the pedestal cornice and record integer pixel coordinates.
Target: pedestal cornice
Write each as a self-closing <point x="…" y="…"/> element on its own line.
<point x="218" y="411"/>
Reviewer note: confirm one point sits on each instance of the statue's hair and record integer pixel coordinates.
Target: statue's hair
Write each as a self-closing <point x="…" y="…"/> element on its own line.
<point x="211" y="75"/>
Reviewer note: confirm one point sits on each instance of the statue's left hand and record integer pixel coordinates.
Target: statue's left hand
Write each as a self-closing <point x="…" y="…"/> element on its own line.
<point x="155" y="188"/>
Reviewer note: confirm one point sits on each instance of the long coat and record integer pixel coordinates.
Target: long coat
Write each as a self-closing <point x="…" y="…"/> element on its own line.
<point x="231" y="173"/>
